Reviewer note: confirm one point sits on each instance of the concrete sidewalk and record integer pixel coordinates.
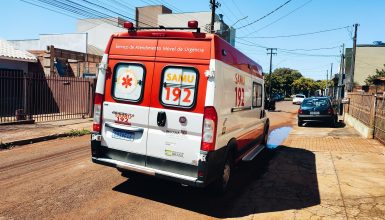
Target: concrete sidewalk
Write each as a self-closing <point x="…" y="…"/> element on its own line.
<point x="322" y="173"/>
<point x="11" y="135"/>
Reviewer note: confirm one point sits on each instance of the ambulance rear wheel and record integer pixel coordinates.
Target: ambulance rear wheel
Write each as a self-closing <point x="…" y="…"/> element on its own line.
<point x="221" y="185"/>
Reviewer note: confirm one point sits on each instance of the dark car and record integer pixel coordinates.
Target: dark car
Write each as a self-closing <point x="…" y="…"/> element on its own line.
<point x="319" y="109"/>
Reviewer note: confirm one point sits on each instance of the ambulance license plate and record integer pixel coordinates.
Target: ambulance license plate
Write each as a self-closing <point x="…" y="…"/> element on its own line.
<point x="314" y="113"/>
<point x="123" y="135"/>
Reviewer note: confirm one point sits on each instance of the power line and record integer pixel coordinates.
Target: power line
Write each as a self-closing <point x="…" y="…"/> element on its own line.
<point x="313" y="49"/>
<point x="287" y="2"/>
<point x="85" y="10"/>
<point x="303" y="34"/>
<point x="31" y="3"/>
<point x="310" y="55"/>
<point x="242" y="14"/>
<point x="282" y="17"/>
<point x="234" y="16"/>
<point x="289" y="51"/>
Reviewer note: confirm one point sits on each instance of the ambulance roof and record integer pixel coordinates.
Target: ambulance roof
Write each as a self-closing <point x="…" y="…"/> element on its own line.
<point x="220" y="49"/>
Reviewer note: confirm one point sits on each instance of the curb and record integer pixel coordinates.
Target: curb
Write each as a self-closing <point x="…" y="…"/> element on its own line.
<point x="4" y="146"/>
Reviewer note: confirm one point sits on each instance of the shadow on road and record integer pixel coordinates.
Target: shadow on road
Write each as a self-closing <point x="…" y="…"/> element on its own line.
<point x="339" y="124"/>
<point x="281" y="179"/>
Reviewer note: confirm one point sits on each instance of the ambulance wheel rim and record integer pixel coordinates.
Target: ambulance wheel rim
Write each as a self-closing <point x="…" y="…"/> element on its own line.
<point x="226" y="174"/>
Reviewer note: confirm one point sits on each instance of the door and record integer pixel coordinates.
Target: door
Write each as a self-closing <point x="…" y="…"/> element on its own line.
<point x="126" y="109"/>
<point x="176" y="117"/>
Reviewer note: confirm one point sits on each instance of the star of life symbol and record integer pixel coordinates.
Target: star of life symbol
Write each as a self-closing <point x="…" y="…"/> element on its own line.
<point x="128" y="81"/>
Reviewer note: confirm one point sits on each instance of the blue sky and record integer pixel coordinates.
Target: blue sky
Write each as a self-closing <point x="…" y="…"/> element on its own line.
<point x="20" y="20"/>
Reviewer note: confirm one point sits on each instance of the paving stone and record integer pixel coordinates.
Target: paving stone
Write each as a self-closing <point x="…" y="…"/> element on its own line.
<point x="365" y="207"/>
<point x="328" y="209"/>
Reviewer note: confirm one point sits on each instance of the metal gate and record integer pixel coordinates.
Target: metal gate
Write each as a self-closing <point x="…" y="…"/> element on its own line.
<point x="28" y="97"/>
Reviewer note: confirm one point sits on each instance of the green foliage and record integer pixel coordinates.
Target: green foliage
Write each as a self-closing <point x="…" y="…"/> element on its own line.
<point x="282" y="80"/>
<point x="76" y="132"/>
<point x="370" y="79"/>
<point x="305" y="85"/>
<point x="288" y="81"/>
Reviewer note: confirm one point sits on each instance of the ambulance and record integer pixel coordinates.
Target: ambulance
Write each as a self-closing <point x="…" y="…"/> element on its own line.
<point x="177" y="104"/>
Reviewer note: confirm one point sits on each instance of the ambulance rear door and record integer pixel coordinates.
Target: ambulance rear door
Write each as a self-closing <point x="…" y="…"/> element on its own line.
<point x="177" y="105"/>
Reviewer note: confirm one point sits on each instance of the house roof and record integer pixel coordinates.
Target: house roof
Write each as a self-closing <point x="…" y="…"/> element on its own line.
<point x="8" y="52"/>
<point x="91" y="49"/>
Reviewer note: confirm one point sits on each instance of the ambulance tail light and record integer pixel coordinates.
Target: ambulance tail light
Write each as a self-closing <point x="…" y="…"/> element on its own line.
<point x="192" y="24"/>
<point x="210" y="121"/>
<point x="96" y="127"/>
<point x="128" y="25"/>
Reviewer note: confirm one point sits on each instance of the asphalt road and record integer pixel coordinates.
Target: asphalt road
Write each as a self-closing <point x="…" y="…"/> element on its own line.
<point x="56" y="179"/>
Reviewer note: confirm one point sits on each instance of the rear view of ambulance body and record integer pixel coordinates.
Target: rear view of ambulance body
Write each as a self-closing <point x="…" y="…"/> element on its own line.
<point x="185" y="106"/>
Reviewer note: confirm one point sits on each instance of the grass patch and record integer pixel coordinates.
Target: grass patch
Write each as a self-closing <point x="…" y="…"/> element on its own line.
<point x="77" y="132"/>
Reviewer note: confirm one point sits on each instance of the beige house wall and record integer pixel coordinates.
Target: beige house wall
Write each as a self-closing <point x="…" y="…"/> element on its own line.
<point x="368" y="59"/>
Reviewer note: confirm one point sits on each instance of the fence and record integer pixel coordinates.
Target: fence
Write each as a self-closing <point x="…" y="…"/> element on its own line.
<point x="39" y="98"/>
<point x="370" y="110"/>
<point x="361" y="107"/>
<point x="379" y="119"/>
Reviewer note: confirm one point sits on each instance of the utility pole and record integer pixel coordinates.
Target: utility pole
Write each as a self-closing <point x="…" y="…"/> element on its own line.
<point x="327" y="83"/>
<point x="331" y="77"/>
<point x="271" y="53"/>
<point x="342" y="72"/>
<point x="353" y="64"/>
<point x="213" y="6"/>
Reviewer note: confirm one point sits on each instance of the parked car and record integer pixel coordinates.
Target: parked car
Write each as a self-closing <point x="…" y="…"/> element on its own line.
<point x="298" y="99"/>
<point x="319" y="109"/>
<point x="277" y="97"/>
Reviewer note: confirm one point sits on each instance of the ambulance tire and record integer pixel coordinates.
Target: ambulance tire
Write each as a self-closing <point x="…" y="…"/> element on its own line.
<point x="266" y="132"/>
<point x="221" y="185"/>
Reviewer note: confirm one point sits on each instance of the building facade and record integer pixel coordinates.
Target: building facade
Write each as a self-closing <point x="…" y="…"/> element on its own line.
<point x="369" y="58"/>
<point x="148" y="16"/>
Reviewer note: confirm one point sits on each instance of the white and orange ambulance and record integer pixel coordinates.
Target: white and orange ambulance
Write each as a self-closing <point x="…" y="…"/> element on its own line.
<point x="180" y="105"/>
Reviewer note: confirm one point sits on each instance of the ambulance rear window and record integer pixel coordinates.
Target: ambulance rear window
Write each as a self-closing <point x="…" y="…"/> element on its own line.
<point x="128" y="82"/>
<point x="179" y="87"/>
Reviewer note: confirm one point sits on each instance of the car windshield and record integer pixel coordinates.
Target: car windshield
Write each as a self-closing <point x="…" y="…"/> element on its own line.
<point x="315" y="103"/>
<point x="300" y="96"/>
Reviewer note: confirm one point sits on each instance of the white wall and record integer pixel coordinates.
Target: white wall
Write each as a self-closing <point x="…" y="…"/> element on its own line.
<point x="25" y="44"/>
<point x="99" y="35"/>
<point x="368" y="59"/>
<point x="75" y="42"/>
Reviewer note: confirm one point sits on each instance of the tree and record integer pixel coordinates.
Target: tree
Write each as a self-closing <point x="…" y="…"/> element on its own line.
<point x="282" y="80"/>
<point x="370" y="79"/>
<point x="276" y="83"/>
<point x="305" y="86"/>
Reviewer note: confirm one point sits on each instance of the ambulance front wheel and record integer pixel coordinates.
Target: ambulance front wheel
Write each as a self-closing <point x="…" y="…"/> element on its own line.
<point x="266" y="132"/>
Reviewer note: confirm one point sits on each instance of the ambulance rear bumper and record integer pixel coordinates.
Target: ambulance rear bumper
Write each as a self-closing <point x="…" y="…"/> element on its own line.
<point x="150" y="171"/>
<point x="108" y="157"/>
